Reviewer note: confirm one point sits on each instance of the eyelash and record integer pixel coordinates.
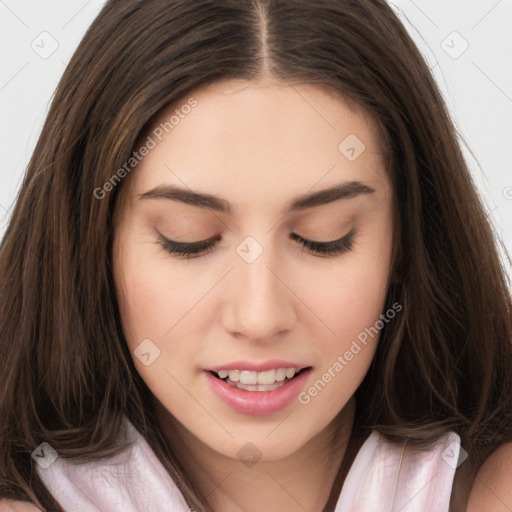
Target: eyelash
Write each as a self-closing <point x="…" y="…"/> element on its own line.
<point x="197" y="249"/>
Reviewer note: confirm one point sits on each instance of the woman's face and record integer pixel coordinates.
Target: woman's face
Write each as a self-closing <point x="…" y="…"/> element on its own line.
<point x="258" y="299"/>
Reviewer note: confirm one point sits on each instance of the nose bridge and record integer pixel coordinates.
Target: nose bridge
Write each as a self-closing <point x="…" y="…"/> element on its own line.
<point x="260" y="303"/>
<point x="258" y="283"/>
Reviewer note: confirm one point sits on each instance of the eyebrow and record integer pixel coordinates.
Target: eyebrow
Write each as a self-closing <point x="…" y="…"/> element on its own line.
<point x="346" y="190"/>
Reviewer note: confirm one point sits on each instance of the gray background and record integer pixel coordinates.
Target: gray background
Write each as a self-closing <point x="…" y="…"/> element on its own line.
<point x="468" y="44"/>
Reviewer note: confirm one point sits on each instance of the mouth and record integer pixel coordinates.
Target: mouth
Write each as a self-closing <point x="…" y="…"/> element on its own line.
<point x="255" y="393"/>
<point x="269" y="380"/>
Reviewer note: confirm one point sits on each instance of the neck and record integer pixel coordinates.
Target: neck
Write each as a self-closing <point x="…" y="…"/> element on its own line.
<point x="300" y="481"/>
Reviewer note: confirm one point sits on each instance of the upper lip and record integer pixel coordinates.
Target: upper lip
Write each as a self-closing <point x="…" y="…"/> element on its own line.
<point x="257" y="367"/>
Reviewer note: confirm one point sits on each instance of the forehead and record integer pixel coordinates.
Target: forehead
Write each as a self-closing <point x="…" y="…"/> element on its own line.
<point x="261" y="139"/>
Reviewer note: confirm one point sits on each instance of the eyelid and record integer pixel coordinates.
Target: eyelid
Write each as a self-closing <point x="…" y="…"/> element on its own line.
<point x="330" y="248"/>
<point x="350" y="234"/>
<point x="197" y="249"/>
<point x="187" y="247"/>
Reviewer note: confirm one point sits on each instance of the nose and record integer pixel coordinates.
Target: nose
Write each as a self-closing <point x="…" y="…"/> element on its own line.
<point x="259" y="302"/>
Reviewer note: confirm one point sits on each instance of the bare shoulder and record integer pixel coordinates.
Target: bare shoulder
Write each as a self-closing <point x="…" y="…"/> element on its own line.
<point x="17" y="506"/>
<point x="492" y="488"/>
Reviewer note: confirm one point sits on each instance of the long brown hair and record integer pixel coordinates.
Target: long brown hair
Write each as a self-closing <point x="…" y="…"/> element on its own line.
<point x="67" y="377"/>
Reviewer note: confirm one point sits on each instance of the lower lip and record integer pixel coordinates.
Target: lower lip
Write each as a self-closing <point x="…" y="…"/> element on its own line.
<point x="258" y="403"/>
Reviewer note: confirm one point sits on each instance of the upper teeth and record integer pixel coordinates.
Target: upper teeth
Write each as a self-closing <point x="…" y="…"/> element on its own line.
<point x="268" y="377"/>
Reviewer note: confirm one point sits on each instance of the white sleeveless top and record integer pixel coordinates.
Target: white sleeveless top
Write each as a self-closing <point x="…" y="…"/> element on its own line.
<point x="383" y="477"/>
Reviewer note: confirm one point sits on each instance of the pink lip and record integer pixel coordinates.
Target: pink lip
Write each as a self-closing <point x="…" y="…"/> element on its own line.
<point x="258" y="403"/>
<point x="257" y="367"/>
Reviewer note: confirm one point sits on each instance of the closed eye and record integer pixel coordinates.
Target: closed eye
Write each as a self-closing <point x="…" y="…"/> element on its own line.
<point x="333" y="248"/>
<point x="197" y="249"/>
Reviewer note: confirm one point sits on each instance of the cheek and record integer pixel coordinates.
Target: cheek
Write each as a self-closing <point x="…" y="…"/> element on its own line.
<point x="350" y="313"/>
<point x="150" y="294"/>
<point x="350" y="295"/>
<point x="150" y="286"/>
<point x="352" y="310"/>
<point x="146" y="298"/>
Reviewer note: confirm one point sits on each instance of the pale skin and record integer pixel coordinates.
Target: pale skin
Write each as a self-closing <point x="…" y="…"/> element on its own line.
<point x="258" y="146"/>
